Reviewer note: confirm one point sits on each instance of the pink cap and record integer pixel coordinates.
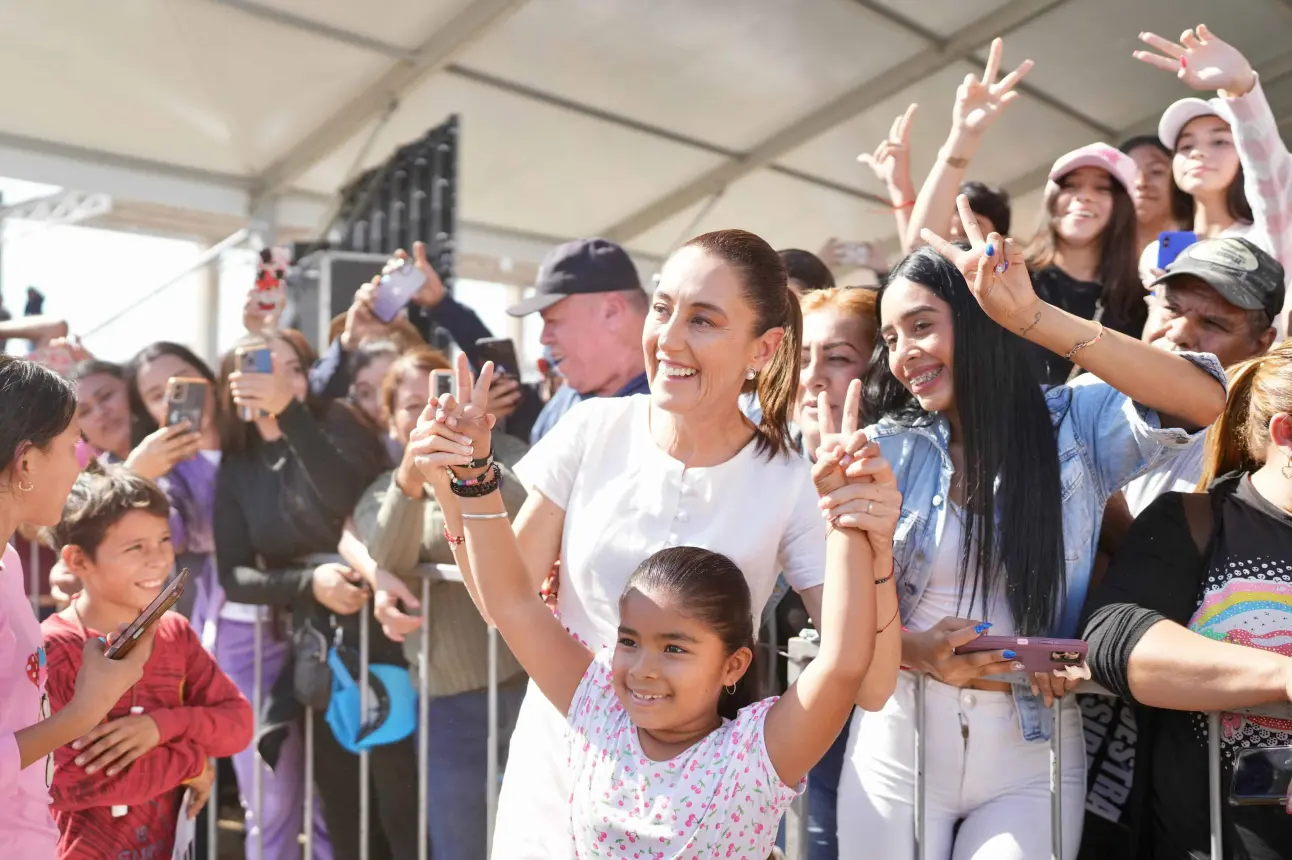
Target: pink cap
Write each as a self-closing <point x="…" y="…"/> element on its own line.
<point x="1180" y="114"/>
<point x="1101" y="155"/>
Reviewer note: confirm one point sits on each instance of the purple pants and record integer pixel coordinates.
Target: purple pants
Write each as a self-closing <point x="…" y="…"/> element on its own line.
<point x="282" y="790"/>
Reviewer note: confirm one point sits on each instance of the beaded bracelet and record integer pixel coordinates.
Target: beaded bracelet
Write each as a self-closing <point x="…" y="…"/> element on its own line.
<point x="471" y="488"/>
<point x="891" y="573"/>
<point x="454" y="541"/>
<point x="1076" y="349"/>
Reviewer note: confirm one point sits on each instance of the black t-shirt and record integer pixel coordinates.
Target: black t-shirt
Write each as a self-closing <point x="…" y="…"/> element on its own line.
<point x="1238" y="594"/>
<point x="1079" y="298"/>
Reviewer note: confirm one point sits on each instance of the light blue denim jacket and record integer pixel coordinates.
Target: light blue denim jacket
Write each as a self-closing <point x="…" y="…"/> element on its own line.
<point x="1104" y="440"/>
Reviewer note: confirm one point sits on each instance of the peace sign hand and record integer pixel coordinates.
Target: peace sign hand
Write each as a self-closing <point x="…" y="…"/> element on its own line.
<point x="979" y="101"/>
<point x="449" y="434"/>
<point x="891" y="160"/>
<point x="839" y="445"/>
<point x="1201" y="60"/>
<point x="995" y="270"/>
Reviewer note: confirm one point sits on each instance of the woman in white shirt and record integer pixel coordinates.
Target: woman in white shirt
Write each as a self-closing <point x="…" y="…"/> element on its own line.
<point x="621" y="478"/>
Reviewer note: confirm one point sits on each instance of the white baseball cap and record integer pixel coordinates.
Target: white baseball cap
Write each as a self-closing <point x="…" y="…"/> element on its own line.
<point x="1121" y="166"/>
<point x="1180" y="114"/>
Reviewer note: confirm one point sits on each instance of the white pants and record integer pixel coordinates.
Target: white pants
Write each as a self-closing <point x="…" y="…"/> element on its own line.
<point x="533" y="820"/>
<point x="978" y="771"/>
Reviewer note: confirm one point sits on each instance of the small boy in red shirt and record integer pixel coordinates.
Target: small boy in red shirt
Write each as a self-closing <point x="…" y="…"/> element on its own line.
<point x="117" y="791"/>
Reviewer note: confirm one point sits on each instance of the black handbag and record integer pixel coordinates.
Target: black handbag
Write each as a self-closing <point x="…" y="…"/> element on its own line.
<point x="311" y="676"/>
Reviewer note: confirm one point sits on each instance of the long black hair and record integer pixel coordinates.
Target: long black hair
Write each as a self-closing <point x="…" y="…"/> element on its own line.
<point x="713" y="591"/>
<point x="1013" y="535"/>
<point x="141" y="422"/>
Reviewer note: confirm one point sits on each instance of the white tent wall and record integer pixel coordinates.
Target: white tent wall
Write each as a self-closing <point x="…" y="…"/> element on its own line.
<point x="649" y="121"/>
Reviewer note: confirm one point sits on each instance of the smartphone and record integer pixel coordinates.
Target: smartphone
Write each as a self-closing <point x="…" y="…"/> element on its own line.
<point x="502" y="352"/>
<point x="186" y="401"/>
<point x="1171" y="243"/>
<point x="125" y="643"/>
<point x="1261" y="776"/>
<point x="396" y="289"/>
<point x="1036" y="655"/>
<point x="444" y="383"/>
<point x="253" y="359"/>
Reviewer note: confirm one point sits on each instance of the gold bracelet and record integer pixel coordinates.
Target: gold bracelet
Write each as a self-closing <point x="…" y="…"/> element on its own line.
<point x="1076" y="349"/>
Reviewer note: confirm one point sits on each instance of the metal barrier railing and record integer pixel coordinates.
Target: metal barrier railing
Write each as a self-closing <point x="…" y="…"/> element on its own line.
<point x="801" y="651"/>
<point x="427" y="573"/>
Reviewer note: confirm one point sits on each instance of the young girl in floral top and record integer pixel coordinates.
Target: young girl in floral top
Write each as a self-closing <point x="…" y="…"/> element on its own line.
<point x="669" y="754"/>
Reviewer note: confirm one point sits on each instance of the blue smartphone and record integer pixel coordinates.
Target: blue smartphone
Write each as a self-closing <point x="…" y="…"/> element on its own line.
<point x="253" y="359"/>
<point x="1171" y="243"/>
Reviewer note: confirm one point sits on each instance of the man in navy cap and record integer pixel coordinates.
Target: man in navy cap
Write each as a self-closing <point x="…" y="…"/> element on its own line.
<point x="593" y="309"/>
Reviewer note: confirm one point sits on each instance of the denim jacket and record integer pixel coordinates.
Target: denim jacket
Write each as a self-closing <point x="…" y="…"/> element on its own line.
<point x="1104" y="440"/>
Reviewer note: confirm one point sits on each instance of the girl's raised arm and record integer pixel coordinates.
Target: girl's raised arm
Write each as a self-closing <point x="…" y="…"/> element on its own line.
<point x="457" y="438"/>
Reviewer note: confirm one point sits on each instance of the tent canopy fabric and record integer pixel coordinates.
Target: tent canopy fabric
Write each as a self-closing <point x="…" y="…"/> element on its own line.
<point x="646" y="122"/>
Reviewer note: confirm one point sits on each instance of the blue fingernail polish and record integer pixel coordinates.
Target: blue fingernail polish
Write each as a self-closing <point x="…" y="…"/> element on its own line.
<point x="991" y="250"/>
<point x="1009" y="655"/>
<point x="982" y="628"/>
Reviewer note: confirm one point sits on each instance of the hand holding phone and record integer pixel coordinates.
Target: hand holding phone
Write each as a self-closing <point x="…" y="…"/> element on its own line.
<point x="101" y="683"/>
<point x="396" y="289"/>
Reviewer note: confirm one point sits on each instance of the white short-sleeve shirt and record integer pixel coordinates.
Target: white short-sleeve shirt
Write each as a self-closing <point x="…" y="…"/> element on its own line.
<point x="626" y="499"/>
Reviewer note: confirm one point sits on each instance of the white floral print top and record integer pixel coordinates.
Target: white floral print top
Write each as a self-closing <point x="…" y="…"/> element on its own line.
<point x="721" y="798"/>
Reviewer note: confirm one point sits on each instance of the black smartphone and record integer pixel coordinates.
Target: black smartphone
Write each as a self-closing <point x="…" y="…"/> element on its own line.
<point x="502" y="352"/>
<point x="186" y="401"/>
<point x="125" y="643"/>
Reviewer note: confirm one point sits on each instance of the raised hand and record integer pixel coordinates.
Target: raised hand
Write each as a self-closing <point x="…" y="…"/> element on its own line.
<point x="449" y="434"/>
<point x="995" y="270"/>
<point x="979" y="101"/>
<point x="838" y="444"/>
<point x="1202" y="60"/>
<point x="891" y="160"/>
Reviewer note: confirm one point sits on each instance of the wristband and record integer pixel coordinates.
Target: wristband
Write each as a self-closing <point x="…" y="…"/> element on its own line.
<point x="483" y="463"/>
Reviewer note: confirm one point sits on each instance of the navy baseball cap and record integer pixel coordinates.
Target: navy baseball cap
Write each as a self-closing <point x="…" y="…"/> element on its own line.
<point x="1244" y="275"/>
<point x="580" y="267"/>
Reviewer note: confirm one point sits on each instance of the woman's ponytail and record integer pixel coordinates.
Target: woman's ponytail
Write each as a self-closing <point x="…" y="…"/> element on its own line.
<point x="778" y="383"/>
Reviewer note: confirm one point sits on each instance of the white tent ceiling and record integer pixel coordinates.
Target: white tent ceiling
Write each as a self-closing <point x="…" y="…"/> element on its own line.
<point x="579" y="117"/>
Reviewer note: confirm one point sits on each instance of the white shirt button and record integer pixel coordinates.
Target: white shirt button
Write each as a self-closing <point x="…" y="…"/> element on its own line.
<point x="681" y="516"/>
<point x="937" y="500"/>
<point x="969" y="700"/>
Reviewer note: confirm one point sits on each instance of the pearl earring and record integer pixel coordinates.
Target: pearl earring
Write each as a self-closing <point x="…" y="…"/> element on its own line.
<point x="750" y="373"/>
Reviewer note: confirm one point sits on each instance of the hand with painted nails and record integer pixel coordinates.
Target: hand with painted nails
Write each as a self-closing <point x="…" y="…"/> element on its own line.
<point x="995" y="269"/>
<point x="451" y="434"/>
<point x="1202" y="60"/>
<point x="932" y="651"/>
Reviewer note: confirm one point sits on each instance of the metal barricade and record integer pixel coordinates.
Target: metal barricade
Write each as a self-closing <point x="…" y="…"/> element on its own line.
<point x="427" y="573"/>
<point x="801" y="652"/>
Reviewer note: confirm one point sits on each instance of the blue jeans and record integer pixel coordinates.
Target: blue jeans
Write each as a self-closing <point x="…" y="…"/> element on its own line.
<point x="823" y="796"/>
<point x="457" y="765"/>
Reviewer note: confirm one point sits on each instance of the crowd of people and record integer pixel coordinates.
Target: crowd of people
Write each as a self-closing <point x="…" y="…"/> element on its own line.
<point x="1087" y="436"/>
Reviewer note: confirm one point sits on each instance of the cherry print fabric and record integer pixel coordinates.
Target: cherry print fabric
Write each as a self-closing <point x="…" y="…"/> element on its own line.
<point x="719" y="799"/>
